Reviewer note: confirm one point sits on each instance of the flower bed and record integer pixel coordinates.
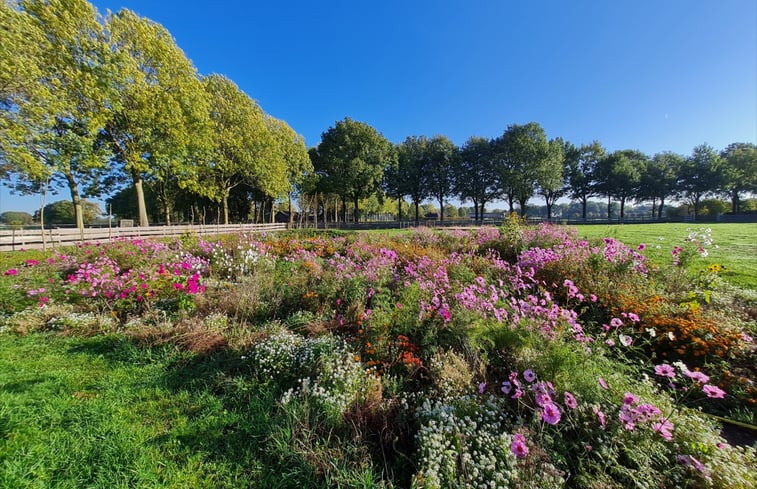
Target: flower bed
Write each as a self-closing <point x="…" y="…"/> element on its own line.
<point x="522" y="356"/>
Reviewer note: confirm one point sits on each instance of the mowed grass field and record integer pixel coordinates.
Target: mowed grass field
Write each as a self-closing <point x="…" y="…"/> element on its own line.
<point x="734" y="246"/>
<point x="101" y="412"/>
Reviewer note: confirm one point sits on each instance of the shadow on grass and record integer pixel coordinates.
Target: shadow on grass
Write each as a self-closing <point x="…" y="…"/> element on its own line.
<point x="228" y="418"/>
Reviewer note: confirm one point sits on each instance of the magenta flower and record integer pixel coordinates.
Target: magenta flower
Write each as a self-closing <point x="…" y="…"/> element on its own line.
<point x="31" y="263"/>
<point x="713" y="391"/>
<point x="630" y="399"/>
<point x="11" y="272"/>
<point x="603" y="383"/>
<point x="633" y="317"/>
<point x="529" y="375"/>
<point x="481" y="387"/>
<point x="542" y="399"/>
<point x="519" y="447"/>
<point x="641" y="247"/>
<point x="616" y="322"/>
<point x="550" y="413"/>
<point x="697" y="376"/>
<point x="518" y="394"/>
<point x="664" y="428"/>
<point x="570" y="400"/>
<point x="665" y="370"/>
<point x="600" y="416"/>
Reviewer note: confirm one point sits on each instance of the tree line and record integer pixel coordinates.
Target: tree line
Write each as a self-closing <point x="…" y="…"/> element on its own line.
<point x="93" y="104"/>
<point x="111" y="106"/>
<point x="353" y="161"/>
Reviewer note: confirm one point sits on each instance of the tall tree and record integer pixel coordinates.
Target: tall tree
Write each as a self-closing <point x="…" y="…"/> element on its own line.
<point x="54" y="100"/>
<point x="618" y="176"/>
<point x="549" y="178"/>
<point x="159" y="130"/>
<point x="412" y="157"/>
<point x="658" y="180"/>
<point x="580" y="164"/>
<point x="476" y="174"/>
<point x="522" y="149"/>
<point x="439" y="171"/>
<point x="242" y="145"/>
<point x="291" y="155"/>
<point x="354" y="155"/>
<point x="740" y="171"/>
<point x="701" y="175"/>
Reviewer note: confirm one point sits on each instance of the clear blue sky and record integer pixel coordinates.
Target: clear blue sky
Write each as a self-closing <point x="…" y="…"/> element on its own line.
<point x="646" y="74"/>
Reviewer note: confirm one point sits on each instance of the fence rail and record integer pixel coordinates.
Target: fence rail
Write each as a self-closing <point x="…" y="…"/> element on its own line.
<point x="16" y="239"/>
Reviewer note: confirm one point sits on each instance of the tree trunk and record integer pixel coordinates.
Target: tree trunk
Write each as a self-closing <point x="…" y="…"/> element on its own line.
<point x="654" y="206"/>
<point x="659" y="209"/>
<point x="42" y="217"/>
<point x="356" y="217"/>
<point x="475" y="210"/>
<point x="417" y="212"/>
<point x="510" y="202"/>
<point x="226" y="208"/>
<point x="291" y="215"/>
<point x="399" y="209"/>
<point x="76" y="201"/>
<point x="734" y="201"/>
<point x="522" y="207"/>
<point x="168" y="214"/>
<point x="441" y="209"/>
<point x="141" y="206"/>
<point x="622" y="207"/>
<point x="609" y="208"/>
<point x="583" y="208"/>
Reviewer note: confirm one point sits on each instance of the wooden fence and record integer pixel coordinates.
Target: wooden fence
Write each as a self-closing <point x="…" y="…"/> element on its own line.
<point x="16" y="239"/>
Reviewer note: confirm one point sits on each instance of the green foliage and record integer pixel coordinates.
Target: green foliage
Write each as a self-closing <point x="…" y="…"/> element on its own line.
<point x="522" y="151"/>
<point x="62" y="212"/>
<point x="352" y="156"/>
<point x="16" y="218"/>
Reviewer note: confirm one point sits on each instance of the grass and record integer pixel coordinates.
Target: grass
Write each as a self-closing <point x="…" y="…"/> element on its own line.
<point x="102" y="413"/>
<point x="736" y="245"/>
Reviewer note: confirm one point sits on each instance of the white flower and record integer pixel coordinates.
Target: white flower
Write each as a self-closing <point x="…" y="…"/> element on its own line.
<point x="651" y="332"/>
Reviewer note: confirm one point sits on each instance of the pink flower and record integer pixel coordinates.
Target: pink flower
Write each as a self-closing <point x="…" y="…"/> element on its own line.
<point x="542" y="399"/>
<point x="592" y="297"/>
<point x="713" y="391"/>
<point x="630" y="399"/>
<point x="481" y="387"/>
<point x="600" y="416"/>
<point x="664" y="370"/>
<point x="625" y="340"/>
<point x="519" y="447"/>
<point x="11" y="272"/>
<point x="641" y="247"/>
<point x="664" y="428"/>
<point x="633" y="317"/>
<point x="603" y="383"/>
<point x="529" y="375"/>
<point x="550" y="413"/>
<point x="616" y="322"/>
<point x="697" y="376"/>
<point x="570" y="400"/>
<point x="506" y="387"/>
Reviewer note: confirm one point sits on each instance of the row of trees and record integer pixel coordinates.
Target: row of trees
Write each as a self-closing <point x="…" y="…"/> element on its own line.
<point x="353" y="161"/>
<point x="93" y="104"/>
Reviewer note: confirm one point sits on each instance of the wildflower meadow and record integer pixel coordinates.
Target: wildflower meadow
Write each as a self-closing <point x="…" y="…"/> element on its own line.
<point x="513" y="357"/>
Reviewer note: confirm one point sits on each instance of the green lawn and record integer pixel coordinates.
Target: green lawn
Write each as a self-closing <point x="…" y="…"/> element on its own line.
<point x="101" y="413"/>
<point x="734" y="246"/>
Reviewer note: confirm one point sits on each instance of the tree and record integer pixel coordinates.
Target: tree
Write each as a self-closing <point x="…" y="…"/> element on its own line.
<point x="549" y="178"/>
<point x="51" y="118"/>
<point x="440" y="163"/>
<point x="658" y="180"/>
<point x="292" y="157"/>
<point x="159" y="127"/>
<point x="740" y="171"/>
<point x="701" y="175"/>
<point x="522" y="150"/>
<point x="16" y="218"/>
<point x="353" y="155"/>
<point x="580" y="164"/>
<point x="62" y="212"/>
<point x="243" y="145"/>
<point x="476" y="174"/>
<point x="411" y="163"/>
<point x="618" y="176"/>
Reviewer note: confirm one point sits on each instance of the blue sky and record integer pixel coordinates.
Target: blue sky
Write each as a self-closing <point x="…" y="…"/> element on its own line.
<point x="647" y="74"/>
